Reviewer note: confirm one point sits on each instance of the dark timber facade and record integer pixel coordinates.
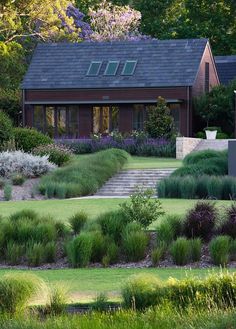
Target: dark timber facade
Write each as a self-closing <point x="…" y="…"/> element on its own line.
<point x="64" y="96"/>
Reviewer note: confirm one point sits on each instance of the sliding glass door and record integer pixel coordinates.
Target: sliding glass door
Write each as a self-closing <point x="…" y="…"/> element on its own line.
<point x="105" y="119"/>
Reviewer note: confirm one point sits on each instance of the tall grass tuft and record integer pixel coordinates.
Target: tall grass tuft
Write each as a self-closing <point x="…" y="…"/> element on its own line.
<point x="77" y="221"/>
<point x="58" y="299"/>
<point x="220" y="250"/>
<point x="180" y="251"/>
<point x="79" y="250"/>
<point x="134" y="244"/>
<point x="195" y="249"/>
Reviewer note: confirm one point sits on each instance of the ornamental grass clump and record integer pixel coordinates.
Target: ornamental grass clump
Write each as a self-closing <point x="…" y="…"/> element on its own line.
<point x="214" y="188"/>
<point x="220" y="250"/>
<point x="200" y="220"/>
<point x="180" y="251"/>
<point x="134" y="244"/>
<point x="16" y="290"/>
<point x="77" y="221"/>
<point x="187" y="187"/>
<point x="228" y="226"/>
<point x="79" y="250"/>
<point x="195" y="249"/>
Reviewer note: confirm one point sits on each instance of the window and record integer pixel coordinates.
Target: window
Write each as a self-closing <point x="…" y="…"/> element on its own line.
<point x="175" y="112"/>
<point x="39" y="118"/>
<point x="96" y="120"/>
<point x="94" y="68"/>
<point x="138" y="117"/>
<point x="129" y="67"/>
<point x="73" y="125"/>
<point x="61" y="121"/>
<point x="111" y="68"/>
<point x="114" y="118"/>
<point x="207" y="77"/>
<point x="50" y="120"/>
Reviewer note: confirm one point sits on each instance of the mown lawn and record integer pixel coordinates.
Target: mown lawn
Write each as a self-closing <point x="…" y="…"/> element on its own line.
<point x="152" y="163"/>
<point x="84" y="284"/>
<point x="62" y="209"/>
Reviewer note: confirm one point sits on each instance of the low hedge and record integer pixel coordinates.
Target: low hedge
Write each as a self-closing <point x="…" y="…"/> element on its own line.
<point x="189" y="187"/>
<point x="83" y="176"/>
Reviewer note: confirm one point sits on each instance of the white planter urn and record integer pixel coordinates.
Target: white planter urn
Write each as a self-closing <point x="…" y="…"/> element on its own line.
<point x="211" y="134"/>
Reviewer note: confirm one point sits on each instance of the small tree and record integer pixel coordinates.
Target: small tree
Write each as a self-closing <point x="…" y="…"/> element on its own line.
<point x="159" y="121"/>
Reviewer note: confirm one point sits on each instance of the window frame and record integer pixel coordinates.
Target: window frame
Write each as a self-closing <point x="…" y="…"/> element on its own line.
<point x="107" y="68"/>
<point x="98" y="70"/>
<point x="125" y="65"/>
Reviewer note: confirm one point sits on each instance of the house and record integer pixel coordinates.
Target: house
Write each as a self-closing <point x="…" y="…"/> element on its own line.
<point x="226" y="67"/>
<point x="72" y="90"/>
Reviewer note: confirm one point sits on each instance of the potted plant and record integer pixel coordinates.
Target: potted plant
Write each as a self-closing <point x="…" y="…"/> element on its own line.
<point x="211" y="132"/>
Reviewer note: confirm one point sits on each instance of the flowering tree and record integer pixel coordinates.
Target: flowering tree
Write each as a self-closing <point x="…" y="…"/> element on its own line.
<point x="111" y="22"/>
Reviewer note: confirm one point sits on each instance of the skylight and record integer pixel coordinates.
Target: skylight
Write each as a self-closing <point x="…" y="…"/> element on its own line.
<point x="129" y="67"/>
<point x="111" y="68"/>
<point x="94" y="68"/>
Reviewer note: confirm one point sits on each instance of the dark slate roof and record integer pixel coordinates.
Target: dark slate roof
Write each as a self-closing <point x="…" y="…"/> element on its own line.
<point x="226" y="67"/>
<point x="161" y="63"/>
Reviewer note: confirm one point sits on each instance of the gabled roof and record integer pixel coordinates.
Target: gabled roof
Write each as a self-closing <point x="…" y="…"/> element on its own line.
<point x="160" y="63"/>
<point x="226" y="67"/>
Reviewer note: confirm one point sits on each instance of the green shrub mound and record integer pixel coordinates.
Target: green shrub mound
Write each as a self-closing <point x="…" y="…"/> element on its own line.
<point x="83" y="177"/>
<point x="58" y="154"/>
<point x="196" y="157"/>
<point x="214" y="291"/>
<point x="6" y="128"/>
<point x="27" y="139"/>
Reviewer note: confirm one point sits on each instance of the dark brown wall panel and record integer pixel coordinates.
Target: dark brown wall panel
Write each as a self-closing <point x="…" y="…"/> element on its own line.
<point x="103" y="95"/>
<point x="126" y="118"/>
<point x="85" y="121"/>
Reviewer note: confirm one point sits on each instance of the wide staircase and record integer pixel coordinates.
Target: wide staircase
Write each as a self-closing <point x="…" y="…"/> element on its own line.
<point x="126" y="181"/>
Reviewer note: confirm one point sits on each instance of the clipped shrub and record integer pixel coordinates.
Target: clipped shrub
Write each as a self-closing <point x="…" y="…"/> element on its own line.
<point x="187" y="187"/>
<point x="220" y="250"/>
<point x="200" y="220"/>
<point x="77" y="221"/>
<point x="140" y="291"/>
<point x="58" y="154"/>
<point x="7" y="190"/>
<point x="79" y="250"/>
<point x="28" y="138"/>
<point x="214" y="188"/>
<point x="23" y="163"/>
<point x="16" y="290"/>
<point x="196" y="157"/>
<point x="195" y="249"/>
<point x="35" y="254"/>
<point x="134" y="244"/>
<point x="228" y="227"/>
<point x="142" y="207"/>
<point x="6" y="127"/>
<point x="180" y="251"/>
<point x="17" y="179"/>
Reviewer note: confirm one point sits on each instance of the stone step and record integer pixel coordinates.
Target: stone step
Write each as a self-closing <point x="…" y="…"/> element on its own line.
<point x="125" y="182"/>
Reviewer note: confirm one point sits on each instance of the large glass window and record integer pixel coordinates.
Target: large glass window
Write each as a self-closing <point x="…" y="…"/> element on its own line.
<point x="96" y="120"/>
<point x="50" y="120"/>
<point x="73" y="125"/>
<point x="39" y="117"/>
<point x="61" y="121"/>
<point x="138" y="117"/>
<point x="114" y="118"/>
<point x="175" y="112"/>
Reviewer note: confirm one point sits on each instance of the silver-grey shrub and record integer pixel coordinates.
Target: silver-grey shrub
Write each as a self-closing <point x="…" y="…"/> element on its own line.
<point x="27" y="164"/>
